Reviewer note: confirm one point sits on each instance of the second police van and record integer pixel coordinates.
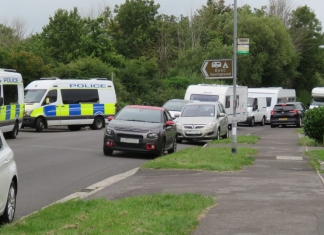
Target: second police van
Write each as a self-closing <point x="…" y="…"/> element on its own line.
<point x="69" y="102"/>
<point x="11" y="102"/>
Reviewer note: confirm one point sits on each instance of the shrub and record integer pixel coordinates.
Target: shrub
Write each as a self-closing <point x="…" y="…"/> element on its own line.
<point x="313" y="124"/>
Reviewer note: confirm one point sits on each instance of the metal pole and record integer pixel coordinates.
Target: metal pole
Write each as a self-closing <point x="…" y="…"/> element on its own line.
<point x="234" y="122"/>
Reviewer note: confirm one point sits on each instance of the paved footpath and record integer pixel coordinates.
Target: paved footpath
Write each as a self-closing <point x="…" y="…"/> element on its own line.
<point x="278" y="194"/>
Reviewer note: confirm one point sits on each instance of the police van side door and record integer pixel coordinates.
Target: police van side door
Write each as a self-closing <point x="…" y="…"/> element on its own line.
<point x="51" y="109"/>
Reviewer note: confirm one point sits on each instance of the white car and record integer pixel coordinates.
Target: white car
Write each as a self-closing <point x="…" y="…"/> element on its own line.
<point x="8" y="182"/>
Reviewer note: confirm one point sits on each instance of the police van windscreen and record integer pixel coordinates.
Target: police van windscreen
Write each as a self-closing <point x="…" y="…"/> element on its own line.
<point x="34" y="96"/>
<point x="208" y="98"/>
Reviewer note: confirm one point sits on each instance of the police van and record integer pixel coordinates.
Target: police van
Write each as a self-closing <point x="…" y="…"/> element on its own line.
<point x="11" y="102"/>
<point x="69" y="102"/>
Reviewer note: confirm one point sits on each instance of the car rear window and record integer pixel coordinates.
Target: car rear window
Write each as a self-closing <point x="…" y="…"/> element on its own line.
<point x="284" y="107"/>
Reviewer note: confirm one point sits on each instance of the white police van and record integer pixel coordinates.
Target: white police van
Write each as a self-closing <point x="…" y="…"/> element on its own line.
<point x="11" y="102"/>
<point x="69" y="102"/>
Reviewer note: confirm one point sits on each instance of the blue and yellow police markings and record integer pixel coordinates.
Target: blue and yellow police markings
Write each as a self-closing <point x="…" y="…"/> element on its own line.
<point x="75" y="110"/>
<point x="12" y="112"/>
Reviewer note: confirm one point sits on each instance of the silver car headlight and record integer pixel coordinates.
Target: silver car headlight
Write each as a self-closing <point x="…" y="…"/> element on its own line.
<point x="211" y="124"/>
<point x="109" y="131"/>
<point x="152" y="135"/>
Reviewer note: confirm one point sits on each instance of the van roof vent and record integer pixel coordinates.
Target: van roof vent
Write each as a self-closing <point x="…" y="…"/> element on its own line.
<point x="8" y="70"/>
<point x="98" y="79"/>
<point x="50" y="78"/>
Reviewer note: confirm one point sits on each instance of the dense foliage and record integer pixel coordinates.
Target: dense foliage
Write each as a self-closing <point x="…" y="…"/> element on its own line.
<point x="153" y="57"/>
<point x="313" y="124"/>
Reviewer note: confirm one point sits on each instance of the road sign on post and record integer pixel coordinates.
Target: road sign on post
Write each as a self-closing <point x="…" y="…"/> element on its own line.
<point x="243" y="46"/>
<point x="218" y="69"/>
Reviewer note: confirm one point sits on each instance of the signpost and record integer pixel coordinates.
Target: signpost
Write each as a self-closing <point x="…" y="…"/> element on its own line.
<point x="218" y="69"/>
<point x="243" y="46"/>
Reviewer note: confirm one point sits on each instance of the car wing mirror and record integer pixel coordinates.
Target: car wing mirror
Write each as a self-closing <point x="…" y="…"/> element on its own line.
<point x="222" y="115"/>
<point x="169" y="123"/>
<point x="176" y="115"/>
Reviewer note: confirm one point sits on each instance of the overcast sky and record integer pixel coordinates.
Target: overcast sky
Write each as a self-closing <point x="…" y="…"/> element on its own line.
<point x="36" y="13"/>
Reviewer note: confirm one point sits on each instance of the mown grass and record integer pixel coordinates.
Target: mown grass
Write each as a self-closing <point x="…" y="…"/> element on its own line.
<point x="316" y="157"/>
<point x="244" y="139"/>
<point x="306" y="141"/>
<point x="210" y="158"/>
<point x="147" y="214"/>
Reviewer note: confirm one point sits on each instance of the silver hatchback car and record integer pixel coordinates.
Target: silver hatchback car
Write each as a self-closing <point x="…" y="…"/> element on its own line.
<point x="202" y="121"/>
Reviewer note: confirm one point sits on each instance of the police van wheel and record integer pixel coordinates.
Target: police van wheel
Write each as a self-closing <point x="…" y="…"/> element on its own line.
<point x="98" y="123"/>
<point x="13" y="134"/>
<point x="74" y="128"/>
<point x="40" y="125"/>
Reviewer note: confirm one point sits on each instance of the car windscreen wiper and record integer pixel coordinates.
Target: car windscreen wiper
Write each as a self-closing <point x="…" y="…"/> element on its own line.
<point x="133" y="120"/>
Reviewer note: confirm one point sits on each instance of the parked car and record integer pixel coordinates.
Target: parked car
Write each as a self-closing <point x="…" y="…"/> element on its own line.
<point x="174" y="106"/>
<point x="136" y="128"/>
<point x="8" y="182"/>
<point x="291" y="113"/>
<point x="202" y="121"/>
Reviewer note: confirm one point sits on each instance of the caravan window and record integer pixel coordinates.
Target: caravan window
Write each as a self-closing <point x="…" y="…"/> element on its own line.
<point x="227" y="102"/>
<point x="209" y="98"/>
<point x="10" y="94"/>
<point x="269" y="101"/>
<point x="76" y="96"/>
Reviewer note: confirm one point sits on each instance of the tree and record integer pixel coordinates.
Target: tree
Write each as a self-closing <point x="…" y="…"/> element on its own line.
<point x="63" y="35"/>
<point x="311" y="57"/>
<point x="134" y="28"/>
<point x="272" y="58"/>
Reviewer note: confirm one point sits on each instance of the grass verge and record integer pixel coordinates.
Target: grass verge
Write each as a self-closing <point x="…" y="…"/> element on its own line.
<point x="148" y="214"/>
<point x="306" y="141"/>
<point x="316" y="157"/>
<point x="242" y="139"/>
<point x="198" y="158"/>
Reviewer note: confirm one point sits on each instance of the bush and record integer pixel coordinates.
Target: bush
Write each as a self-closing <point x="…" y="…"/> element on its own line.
<point x="313" y="124"/>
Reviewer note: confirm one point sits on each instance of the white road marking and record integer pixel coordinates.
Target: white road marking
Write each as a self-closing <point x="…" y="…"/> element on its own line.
<point x="289" y="158"/>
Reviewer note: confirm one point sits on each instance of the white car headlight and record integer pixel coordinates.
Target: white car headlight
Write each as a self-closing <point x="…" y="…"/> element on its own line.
<point x="211" y="124"/>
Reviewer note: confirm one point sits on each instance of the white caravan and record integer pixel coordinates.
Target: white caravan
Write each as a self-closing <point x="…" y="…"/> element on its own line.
<point x="223" y="94"/>
<point x="273" y="95"/>
<point x="257" y="110"/>
<point x="318" y="97"/>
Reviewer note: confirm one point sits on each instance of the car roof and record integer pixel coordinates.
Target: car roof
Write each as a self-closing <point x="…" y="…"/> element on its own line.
<point x="145" y="107"/>
<point x="280" y="104"/>
<point x="180" y="100"/>
<point x="203" y="103"/>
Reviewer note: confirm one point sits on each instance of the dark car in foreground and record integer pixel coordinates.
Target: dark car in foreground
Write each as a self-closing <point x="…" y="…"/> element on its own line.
<point x="291" y="113"/>
<point x="136" y="128"/>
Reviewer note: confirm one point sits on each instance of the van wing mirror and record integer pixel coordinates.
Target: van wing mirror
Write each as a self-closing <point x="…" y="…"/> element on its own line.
<point x="222" y="115"/>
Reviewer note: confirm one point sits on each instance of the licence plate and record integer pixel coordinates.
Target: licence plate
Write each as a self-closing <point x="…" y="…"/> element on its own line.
<point x="193" y="132"/>
<point x="283" y="119"/>
<point x="129" y="140"/>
